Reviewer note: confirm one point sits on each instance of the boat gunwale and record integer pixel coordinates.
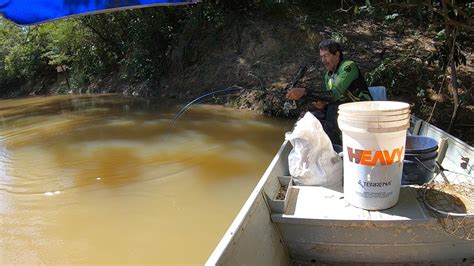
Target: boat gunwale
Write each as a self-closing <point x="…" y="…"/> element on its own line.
<point x="242" y="216"/>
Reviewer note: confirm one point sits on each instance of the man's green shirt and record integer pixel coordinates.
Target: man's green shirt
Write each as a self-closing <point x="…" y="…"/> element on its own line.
<point x="339" y="82"/>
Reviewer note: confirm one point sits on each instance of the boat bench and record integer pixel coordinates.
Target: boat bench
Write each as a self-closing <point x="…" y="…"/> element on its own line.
<point x="304" y="206"/>
<point x="318" y="224"/>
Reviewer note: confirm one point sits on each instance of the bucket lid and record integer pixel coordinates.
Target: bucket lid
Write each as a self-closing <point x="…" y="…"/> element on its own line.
<point x="375" y="108"/>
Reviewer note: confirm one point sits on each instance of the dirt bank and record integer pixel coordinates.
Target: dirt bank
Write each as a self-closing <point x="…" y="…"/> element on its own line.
<point x="262" y="54"/>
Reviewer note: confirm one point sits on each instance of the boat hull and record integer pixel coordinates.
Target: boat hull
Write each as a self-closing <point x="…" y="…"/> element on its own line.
<point x="317" y="225"/>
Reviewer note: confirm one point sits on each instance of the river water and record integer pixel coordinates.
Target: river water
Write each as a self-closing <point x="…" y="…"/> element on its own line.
<point x="98" y="179"/>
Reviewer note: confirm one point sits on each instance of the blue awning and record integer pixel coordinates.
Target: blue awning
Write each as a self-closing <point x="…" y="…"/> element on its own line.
<point x="27" y="12"/>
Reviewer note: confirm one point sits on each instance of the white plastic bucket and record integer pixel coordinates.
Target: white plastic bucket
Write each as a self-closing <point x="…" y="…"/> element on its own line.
<point x="374" y="147"/>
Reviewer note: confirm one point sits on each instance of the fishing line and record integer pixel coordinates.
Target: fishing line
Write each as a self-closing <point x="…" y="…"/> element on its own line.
<point x="228" y="90"/>
<point x="235" y="88"/>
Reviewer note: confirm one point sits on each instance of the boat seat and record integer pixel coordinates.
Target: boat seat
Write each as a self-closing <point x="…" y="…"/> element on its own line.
<point x="378" y="93"/>
<point x="320" y="225"/>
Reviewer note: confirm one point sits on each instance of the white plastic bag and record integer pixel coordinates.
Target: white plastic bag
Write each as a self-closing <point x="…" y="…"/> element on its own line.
<point x="313" y="161"/>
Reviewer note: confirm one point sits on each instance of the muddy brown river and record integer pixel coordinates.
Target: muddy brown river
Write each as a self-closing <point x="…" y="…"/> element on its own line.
<point x="98" y="179"/>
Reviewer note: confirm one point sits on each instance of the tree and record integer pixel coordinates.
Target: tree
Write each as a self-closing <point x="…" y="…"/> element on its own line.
<point x="453" y="19"/>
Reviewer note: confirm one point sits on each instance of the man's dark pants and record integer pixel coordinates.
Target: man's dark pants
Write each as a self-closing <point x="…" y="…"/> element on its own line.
<point x="328" y="119"/>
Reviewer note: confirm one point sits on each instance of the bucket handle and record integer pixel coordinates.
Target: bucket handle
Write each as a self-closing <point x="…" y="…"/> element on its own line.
<point x="426" y="167"/>
<point x="438" y="170"/>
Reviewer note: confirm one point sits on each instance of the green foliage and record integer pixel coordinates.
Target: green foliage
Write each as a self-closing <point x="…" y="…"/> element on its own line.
<point x="420" y="92"/>
<point x="339" y="37"/>
<point x="441" y="55"/>
<point x="367" y="9"/>
<point x="134" y="45"/>
<point x="442" y="52"/>
<point x="27" y="58"/>
<point x="394" y="74"/>
<point x="145" y="44"/>
<point x="384" y="73"/>
<point x="32" y="53"/>
<point x="391" y="17"/>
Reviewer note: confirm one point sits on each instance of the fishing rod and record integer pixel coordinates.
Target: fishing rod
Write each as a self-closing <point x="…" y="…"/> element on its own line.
<point x="287" y="106"/>
<point x="234" y="89"/>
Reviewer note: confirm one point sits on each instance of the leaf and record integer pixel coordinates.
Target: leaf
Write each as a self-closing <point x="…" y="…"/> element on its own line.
<point x="391" y="17"/>
<point x="356" y="10"/>
<point x="441" y="35"/>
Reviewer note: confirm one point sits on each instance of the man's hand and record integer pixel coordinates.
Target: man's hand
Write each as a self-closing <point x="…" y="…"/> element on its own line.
<point x="319" y="105"/>
<point x="296" y="93"/>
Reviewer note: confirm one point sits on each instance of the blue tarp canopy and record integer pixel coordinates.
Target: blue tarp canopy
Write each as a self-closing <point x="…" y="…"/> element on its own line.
<point x="27" y="12"/>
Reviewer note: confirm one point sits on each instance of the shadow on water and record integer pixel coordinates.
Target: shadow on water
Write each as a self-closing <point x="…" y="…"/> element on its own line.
<point x="221" y="126"/>
<point x="113" y="166"/>
<point x="14" y="111"/>
<point x="24" y="121"/>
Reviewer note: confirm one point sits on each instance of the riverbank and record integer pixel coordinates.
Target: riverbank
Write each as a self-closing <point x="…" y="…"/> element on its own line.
<point x="263" y="53"/>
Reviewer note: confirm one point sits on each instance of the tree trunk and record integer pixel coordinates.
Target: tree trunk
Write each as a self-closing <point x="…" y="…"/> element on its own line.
<point x="454" y="89"/>
<point x="67" y="77"/>
<point x="451" y="42"/>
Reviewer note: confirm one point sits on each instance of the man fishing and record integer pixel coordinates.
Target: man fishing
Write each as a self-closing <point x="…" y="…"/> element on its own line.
<point x="344" y="82"/>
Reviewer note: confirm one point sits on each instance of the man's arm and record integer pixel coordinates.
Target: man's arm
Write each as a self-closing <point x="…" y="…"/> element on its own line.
<point x="335" y="89"/>
<point x="295" y="93"/>
<point x="322" y="95"/>
<point x="314" y="95"/>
